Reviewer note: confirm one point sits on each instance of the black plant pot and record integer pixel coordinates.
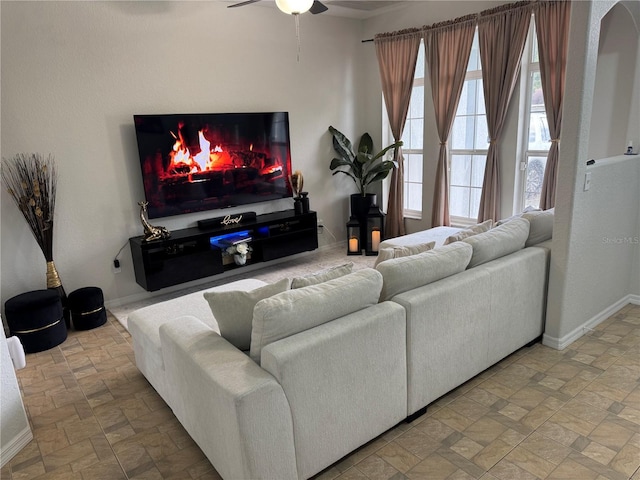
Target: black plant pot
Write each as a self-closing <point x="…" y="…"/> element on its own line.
<point x="360" y="205"/>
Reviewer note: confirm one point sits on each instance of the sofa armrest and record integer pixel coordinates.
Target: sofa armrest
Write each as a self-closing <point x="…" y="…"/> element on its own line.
<point x="235" y="411"/>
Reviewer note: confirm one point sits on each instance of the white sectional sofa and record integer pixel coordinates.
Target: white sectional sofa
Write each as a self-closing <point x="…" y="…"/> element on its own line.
<point x="335" y="364"/>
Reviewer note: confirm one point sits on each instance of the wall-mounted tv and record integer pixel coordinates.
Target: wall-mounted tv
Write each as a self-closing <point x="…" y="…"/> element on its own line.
<point x="196" y="162"/>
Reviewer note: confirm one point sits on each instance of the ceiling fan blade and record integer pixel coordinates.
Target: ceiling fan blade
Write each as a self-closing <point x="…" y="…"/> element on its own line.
<point x="242" y="4"/>
<point x="318" y="7"/>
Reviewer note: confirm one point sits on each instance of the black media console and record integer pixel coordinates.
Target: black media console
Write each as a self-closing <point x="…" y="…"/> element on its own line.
<point x="195" y="253"/>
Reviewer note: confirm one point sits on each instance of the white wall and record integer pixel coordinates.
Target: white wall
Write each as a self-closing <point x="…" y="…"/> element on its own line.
<point x="74" y="73"/>
<point x="594" y="261"/>
<point x="15" y="432"/>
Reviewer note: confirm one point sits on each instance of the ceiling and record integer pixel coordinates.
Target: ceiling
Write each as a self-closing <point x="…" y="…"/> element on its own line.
<point x="344" y="8"/>
<point x="360" y="9"/>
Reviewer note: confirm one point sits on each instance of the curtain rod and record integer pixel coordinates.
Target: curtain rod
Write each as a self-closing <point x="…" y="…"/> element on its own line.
<point x="490" y="12"/>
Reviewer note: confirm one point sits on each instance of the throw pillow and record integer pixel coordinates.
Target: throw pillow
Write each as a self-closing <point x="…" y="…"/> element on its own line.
<point x="322" y="276"/>
<point x="404" y="251"/>
<point x="404" y="274"/>
<point x="295" y="311"/>
<point x="468" y="232"/>
<point x="233" y="310"/>
<point x="541" y="226"/>
<point x="498" y="242"/>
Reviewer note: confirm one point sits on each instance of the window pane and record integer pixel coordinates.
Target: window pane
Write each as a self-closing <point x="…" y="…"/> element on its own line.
<point x="414" y="197"/>
<point x="416" y="106"/>
<point x="414" y="171"/>
<point x="480" y="97"/>
<point x="534" y="177"/>
<point x="482" y="133"/>
<point x="474" y="58"/>
<point x="477" y="170"/>
<point x="535" y="58"/>
<point x="467" y="104"/>
<point x="462" y="133"/>
<point x="537" y="97"/>
<point x="474" y="208"/>
<point x="406" y="136"/>
<point x="459" y="201"/>
<point x="420" y="72"/>
<point x="460" y="169"/>
<point x="417" y="127"/>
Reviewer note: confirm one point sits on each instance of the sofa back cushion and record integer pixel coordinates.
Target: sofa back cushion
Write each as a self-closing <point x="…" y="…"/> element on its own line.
<point x="407" y="273"/>
<point x="469" y="232"/>
<point x="498" y="242"/>
<point x="387" y="253"/>
<point x="298" y="310"/>
<point x="233" y="310"/>
<point x="540" y="226"/>
<point x="322" y="276"/>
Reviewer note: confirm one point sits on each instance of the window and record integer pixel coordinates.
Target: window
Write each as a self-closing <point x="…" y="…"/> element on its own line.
<point x="412" y="143"/>
<point x="537" y="131"/>
<point x="468" y="145"/>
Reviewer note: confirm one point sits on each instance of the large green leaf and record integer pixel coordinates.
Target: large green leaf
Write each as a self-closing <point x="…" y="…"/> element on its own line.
<point x="382" y="152"/>
<point x="366" y="144"/>
<point x="339" y="162"/>
<point x="342" y="145"/>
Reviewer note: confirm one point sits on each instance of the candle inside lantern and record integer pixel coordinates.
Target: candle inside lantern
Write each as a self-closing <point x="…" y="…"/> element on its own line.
<point x="353" y="244"/>
<point x="375" y="239"/>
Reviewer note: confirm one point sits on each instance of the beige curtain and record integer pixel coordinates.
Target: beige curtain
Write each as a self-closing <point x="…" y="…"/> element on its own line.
<point x="552" y="29"/>
<point x="397" y="54"/>
<point x="502" y="33"/>
<point x="447" y="48"/>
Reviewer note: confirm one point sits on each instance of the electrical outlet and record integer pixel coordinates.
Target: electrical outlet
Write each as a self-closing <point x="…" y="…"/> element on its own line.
<point x="320" y="226"/>
<point x="587" y="181"/>
<point x="115" y="269"/>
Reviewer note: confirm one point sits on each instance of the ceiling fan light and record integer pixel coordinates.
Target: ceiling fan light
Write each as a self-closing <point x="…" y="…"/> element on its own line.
<point x="294" y="7"/>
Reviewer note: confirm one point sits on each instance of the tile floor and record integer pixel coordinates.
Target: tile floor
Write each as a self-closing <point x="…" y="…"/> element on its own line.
<point x="538" y="414"/>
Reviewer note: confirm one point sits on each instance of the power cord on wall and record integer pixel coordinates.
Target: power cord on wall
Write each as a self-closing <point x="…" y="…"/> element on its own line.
<point x="324" y="227"/>
<point x="116" y="262"/>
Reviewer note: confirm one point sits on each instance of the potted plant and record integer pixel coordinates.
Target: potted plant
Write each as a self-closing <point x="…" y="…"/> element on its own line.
<point x="363" y="166"/>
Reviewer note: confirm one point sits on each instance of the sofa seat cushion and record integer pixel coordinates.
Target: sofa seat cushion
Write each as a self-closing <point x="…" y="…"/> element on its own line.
<point x="407" y="273"/>
<point x="233" y="310"/>
<point x="144" y="325"/>
<point x="435" y="234"/>
<point x="498" y="242"/>
<point x="298" y="310"/>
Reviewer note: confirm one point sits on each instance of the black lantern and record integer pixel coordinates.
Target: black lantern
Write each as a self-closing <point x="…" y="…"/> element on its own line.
<point x="375" y="230"/>
<point x="354" y="245"/>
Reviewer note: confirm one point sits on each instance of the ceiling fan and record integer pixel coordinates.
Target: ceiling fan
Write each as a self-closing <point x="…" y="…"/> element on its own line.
<point x="291" y="7"/>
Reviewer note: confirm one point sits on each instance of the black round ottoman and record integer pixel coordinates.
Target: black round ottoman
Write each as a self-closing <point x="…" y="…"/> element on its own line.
<point x="36" y="318"/>
<point x="87" y="308"/>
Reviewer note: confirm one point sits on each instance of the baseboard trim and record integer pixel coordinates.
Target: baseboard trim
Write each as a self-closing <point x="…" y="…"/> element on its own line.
<point x="15" y="445"/>
<point x="563" y="342"/>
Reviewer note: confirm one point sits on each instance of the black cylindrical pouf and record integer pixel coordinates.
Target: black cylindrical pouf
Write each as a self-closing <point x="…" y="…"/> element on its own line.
<point x="87" y="308"/>
<point x="36" y="318"/>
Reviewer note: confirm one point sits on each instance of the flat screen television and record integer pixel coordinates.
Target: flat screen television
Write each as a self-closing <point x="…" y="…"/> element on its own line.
<point x="196" y="162"/>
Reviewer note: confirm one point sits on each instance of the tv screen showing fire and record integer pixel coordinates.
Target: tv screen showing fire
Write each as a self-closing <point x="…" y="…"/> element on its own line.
<point x="197" y="162"/>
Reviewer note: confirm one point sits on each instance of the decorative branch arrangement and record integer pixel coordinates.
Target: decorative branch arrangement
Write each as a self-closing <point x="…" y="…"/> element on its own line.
<point x="297" y="183"/>
<point x="31" y="181"/>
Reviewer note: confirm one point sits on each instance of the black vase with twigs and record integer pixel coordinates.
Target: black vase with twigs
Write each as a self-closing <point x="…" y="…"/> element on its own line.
<point x="31" y="179"/>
